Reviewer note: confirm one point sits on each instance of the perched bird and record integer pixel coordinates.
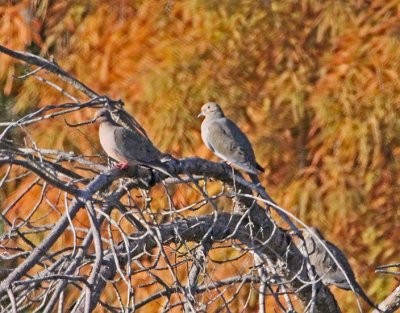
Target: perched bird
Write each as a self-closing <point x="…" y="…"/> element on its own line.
<point x="226" y="140"/>
<point x="128" y="147"/>
<point x="326" y="267"/>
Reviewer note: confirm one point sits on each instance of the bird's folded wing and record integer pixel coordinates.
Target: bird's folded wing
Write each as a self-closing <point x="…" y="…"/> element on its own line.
<point x="138" y="149"/>
<point x="229" y="142"/>
<point x="135" y="148"/>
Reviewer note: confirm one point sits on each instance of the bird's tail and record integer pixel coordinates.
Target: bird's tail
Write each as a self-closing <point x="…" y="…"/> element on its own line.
<point x="159" y="166"/>
<point x="260" y="189"/>
<point x="260" y="168"/>
<point x="363" y="295"/>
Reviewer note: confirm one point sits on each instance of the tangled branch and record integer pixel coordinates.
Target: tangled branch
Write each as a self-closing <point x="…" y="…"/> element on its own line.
<point x="139" y="247"/>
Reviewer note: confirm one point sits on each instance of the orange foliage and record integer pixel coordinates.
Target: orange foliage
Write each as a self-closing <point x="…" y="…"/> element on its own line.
<point x="314" y="84"/>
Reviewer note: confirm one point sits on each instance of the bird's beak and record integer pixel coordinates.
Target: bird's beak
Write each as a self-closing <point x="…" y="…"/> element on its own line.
<point x="200" y="114"/>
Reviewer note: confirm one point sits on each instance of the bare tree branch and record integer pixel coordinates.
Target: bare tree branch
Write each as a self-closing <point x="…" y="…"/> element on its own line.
<point x="51" y="67"/>
<point x="145" y="235"/>
<point x="391" y="304"/>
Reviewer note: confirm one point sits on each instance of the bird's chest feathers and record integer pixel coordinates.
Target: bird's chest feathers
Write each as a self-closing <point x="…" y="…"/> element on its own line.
<point x="107" y="140"/>
<point x="205" y="135"/>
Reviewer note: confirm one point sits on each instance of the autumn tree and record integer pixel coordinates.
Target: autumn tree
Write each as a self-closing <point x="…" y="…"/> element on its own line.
<point x="314" y="84"/>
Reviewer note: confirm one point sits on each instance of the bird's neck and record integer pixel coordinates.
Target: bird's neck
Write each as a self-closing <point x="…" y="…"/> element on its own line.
<point x="108" y="124"/>
<point x="215" y="115"/>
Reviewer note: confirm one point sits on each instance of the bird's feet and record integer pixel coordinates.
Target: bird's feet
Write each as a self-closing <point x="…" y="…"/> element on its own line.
<point x="122" y="166"/>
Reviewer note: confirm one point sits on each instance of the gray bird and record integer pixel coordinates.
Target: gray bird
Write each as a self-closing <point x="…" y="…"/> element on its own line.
<point x="326" y="267"/>
<point x="128" y="147"/>
<point x="226" y="140"/>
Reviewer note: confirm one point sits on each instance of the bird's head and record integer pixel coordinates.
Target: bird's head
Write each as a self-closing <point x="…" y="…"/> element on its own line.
<point x="211" y="109"/>
<point x="102" y="115"/>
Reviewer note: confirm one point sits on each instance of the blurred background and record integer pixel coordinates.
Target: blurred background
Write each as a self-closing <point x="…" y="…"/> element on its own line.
<point x="314" y="84"/>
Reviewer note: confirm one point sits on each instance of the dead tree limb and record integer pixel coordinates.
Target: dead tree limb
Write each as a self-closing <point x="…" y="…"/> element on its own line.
<point x="94" y="261"/>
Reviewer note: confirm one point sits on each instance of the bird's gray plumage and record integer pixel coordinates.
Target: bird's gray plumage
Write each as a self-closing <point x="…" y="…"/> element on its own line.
<point x="226" y="140"/>
<point x="326" y="267"/>
<point x="127" y="146"/>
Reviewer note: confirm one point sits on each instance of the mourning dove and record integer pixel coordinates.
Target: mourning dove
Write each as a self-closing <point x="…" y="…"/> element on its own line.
<point x="327" y="268"/>
<point x="128" y="147"/>
<point x="226" y="140"/>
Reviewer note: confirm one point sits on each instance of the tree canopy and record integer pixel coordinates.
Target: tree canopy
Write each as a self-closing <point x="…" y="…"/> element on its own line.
<point x="314" y="85"/>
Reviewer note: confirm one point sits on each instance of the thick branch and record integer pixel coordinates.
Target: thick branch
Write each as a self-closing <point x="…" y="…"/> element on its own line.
<point x="273" y="244"/>
<point x="391" y="304"/>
